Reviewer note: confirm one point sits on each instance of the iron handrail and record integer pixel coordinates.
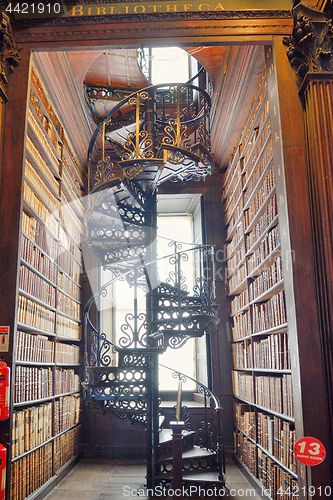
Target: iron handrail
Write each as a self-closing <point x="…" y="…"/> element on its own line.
<point x="220" y="450"/>
<point x="205" y="390"/>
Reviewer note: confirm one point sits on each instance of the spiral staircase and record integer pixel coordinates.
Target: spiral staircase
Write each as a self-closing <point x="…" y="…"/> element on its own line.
<point x="154" y="135"/>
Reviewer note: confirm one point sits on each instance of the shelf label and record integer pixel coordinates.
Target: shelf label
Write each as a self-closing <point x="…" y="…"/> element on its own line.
<point x="309" y="451"/>
<point x="4" y="338"/>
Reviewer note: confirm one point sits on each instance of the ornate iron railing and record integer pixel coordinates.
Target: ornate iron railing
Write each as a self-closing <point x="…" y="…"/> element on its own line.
<point x="128" y="396"/>
<point x="162" y="126"/>
<point x="210" y="435"/>
<point x="183" y="309"/>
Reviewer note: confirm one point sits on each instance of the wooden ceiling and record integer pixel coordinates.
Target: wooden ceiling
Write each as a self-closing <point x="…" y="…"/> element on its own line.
<point x="234" y="72"/>
<point x="116" y="67"/>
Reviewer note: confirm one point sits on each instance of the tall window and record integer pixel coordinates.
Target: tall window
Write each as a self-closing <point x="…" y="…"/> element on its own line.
<point x="179" y="220"/>
<point x="180" y="229"/>
<point x="167" y="64"/>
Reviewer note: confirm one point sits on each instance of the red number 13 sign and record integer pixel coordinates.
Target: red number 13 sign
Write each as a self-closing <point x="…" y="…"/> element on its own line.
<point x="309" y="451"/>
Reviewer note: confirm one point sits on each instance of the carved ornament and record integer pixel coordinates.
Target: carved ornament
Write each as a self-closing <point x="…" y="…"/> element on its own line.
<point x="158" y="16"/>
<point x="310" y="47"/>
<point x="9" y="55"/>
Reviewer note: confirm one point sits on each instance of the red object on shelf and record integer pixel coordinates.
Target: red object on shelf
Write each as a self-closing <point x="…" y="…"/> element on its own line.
<point x="3" y="457"/>
<point x="4" y="390"/>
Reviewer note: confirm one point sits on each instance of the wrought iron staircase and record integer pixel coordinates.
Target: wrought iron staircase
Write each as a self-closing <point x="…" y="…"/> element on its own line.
<point x="203" y="462"/>
<point x="169" y="140"/>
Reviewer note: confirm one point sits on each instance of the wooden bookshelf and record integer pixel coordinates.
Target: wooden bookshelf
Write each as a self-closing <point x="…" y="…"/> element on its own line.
<point x="46" y="404"/>
<point x="262" y="377"/>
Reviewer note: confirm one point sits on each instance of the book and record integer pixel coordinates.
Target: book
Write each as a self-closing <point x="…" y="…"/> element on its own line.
<point x="258" y="322"/>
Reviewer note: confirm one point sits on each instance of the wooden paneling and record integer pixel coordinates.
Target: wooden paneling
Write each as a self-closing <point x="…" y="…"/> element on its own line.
<point x="199" y="28"/>
<point x="11" y="184"/>
<point x="305" y="343"/>
<point x="317" y="91"/>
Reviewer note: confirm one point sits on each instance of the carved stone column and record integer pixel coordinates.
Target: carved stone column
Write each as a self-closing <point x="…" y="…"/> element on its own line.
<point x="9" y="55"/>
<point x="310" y="52"/>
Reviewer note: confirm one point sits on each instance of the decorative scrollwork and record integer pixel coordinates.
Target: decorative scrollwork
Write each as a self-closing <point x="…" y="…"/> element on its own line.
<point x="184" y="256"/>
<point x="184" y="417"/>
<point x="179" y="376"/>
<point x="176" y="245"/>
<point x="206" y="436"/>
<point x="135" y="359"/>
<point x="203" y="137"/>
<point x="134" y="170"/>
<point x="183" y="286"/>
<point x="93" y="350"/>
<point x="132" y="101"/>
<point x="176" y="157"/>
<point x="132" y="151"/>
<point x="124" y="405"/>
<point x="173" y="260"/>
<point x="177" y="341"/>
<point x="189" y="112"/>
<point x="204" y="391"/>
<point x="132" y="335"/>
<point x="143" y="95"/>
<point x="176" y="135"/>
<point x="200" y="287"/>
<point x="100" y="350"/>
<point x="172" y="279"/>
<point x="104" y="172"/>
<point x="128" y="331"/>
<point x="105" y="347"/>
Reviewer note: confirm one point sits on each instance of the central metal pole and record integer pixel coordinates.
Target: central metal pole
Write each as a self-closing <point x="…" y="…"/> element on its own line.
<point x="152" y="372"/>
<point x="152" y="437"/>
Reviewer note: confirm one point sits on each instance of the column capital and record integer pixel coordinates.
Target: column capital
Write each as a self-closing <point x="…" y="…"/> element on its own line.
<point x="310" y="46"/>
<point x="318" y="76"/>
<point x="9" y="54"/>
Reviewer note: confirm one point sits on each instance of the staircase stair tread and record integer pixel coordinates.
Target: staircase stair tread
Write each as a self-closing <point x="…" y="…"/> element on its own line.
<point x="193" y="317"/>
<point x="190" y="333"/>
<point x="184" y="295"/>
<point x="174" y="308"/>
<point x="211" y="476"/>
<point x="195" y="452"/>
<point x="172" y="288"/>
<point x="171" y="321"/>
<point x="166" y="435"/>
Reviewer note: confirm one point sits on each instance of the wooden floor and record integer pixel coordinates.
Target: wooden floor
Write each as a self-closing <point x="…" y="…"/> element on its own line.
<point x="119" y="480"/>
